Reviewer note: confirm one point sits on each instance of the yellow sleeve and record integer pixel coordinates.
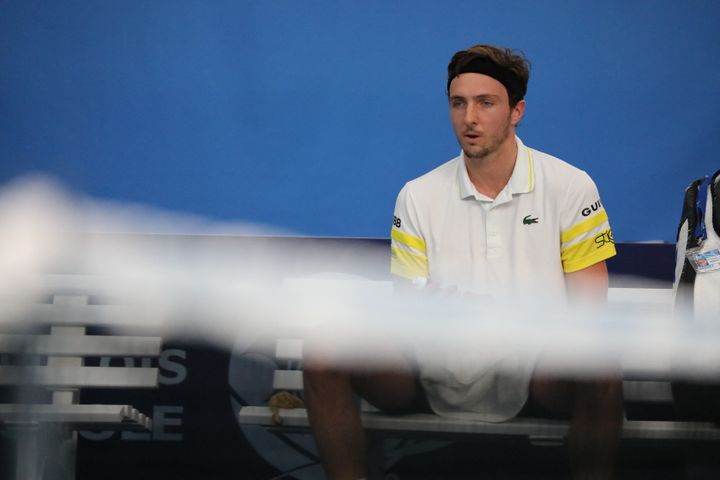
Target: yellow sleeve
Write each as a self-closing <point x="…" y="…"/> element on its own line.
<point x="408" y="255"/>
<point x="586" y="237"/>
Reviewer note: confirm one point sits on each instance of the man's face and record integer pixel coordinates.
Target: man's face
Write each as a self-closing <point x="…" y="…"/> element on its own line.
<point x="481" y="115"/>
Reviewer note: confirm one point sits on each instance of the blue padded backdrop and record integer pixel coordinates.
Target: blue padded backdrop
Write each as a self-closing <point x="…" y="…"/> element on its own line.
<point x="310" y="115"/>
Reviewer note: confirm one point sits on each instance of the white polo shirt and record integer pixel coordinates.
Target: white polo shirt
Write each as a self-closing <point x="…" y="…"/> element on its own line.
<point x="548" y="220"/>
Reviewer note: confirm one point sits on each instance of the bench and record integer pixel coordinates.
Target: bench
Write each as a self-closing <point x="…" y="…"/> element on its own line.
<point x="637" y="393"/>
<point x="50" y="345"/>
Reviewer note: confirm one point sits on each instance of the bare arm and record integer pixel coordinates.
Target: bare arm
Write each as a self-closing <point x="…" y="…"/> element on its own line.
<point x="589" y="284"/>
<point x="597" y="416"/>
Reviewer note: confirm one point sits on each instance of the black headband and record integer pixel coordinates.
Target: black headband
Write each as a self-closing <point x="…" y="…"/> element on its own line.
<point x="510" y="81"/>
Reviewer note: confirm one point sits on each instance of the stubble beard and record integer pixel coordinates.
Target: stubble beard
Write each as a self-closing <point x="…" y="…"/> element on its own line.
<point x="493" y="145"/>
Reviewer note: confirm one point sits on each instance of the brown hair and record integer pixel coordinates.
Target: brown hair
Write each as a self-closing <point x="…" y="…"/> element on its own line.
<point x="509" y="67"/>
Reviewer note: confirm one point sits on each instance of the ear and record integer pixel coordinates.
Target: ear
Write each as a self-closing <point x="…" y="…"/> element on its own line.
<point x="517" y="113"/>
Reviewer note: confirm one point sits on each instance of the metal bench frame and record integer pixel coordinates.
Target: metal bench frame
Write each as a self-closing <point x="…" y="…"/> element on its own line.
<point x="52" y="363"/>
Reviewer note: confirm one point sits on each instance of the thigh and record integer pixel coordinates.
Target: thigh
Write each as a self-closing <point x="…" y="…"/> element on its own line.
<point x="393" y="387"/>
<point x="392" y="392"/>
<point x="550" y="397"/>
<point x="381" y="371"/>
<point x="564" y="398"/>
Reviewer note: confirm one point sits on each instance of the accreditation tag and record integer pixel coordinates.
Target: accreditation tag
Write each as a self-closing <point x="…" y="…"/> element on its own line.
<point x="704" y="261"/>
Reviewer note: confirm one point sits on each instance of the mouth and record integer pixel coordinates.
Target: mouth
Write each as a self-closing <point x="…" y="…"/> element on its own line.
<point x="471" y="136"/>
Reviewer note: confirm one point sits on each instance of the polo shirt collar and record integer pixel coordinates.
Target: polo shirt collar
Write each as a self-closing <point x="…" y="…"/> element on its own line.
<point x="467" y="189"/>
<point x="522" y="179"/>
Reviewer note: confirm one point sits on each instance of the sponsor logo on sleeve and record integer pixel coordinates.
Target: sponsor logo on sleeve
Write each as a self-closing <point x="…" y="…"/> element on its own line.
<point x="603" y="238"/>
<point x="592" y="208"/>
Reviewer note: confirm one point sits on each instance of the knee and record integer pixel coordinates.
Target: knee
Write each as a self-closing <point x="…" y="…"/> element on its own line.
<point x="554" y="395"/>
<point x="314" y="371"/>
<point x="606" y="390"/>
<point x="603" y="397"/>
<point x="321" y="374"/>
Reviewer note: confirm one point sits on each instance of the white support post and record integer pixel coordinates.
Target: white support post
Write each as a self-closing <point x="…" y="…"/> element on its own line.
<point x="28" y="458"/>
<point x="66" y="447"/>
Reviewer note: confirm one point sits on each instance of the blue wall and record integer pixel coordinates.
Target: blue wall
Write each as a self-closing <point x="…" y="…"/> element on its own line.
<point x="311" y="115"/>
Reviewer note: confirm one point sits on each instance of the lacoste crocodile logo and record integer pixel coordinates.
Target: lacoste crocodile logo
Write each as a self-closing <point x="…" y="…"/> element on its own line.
<point x="529" y="221"/>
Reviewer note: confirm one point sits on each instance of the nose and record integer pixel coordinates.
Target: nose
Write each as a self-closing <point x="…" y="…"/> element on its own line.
<point x="471" y="114"/>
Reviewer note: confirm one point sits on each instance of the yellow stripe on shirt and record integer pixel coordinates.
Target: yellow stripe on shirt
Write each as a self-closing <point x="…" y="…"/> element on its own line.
<point x="588" y="252"/>
<point x="408" y="240"/>
<point x="530" y="162"/>
<point x="584" y="226"/>
<point x="407" y="264"/>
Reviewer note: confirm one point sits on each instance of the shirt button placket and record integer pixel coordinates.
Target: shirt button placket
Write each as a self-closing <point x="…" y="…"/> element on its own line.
<point x="493" y="240"/>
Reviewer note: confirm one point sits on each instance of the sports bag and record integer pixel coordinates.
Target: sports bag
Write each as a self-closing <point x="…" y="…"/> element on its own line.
<point x="697" y="288"/>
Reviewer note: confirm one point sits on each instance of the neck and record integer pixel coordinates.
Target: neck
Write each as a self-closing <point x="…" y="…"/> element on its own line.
<point x="491" y="173"/>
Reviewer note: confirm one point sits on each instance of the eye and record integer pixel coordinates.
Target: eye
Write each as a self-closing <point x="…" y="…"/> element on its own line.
<point x="456" y="103"/>
<point x="486" y="103"/>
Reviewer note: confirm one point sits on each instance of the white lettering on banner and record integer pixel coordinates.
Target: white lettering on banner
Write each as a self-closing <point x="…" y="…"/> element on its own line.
<point x="164" y="418"/>
<point x="171" y="371"/>
<point x="166" y="363"/>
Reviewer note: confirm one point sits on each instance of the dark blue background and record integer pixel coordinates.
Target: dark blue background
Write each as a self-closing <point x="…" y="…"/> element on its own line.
<point x="310" y="115"/>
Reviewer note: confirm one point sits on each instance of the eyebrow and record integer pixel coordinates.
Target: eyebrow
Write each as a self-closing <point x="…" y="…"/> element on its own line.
<point x="483" y="96"/>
